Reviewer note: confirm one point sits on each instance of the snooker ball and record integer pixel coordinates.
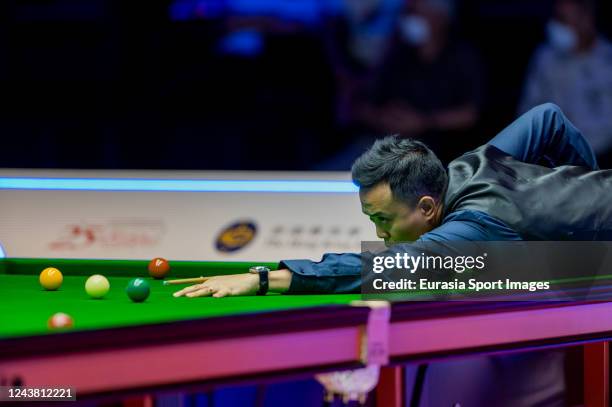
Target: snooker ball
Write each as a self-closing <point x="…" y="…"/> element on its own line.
<point x="97" y="286"/>
<point x="159" y="267"/>
<point x="137" y="289"/>
<point x="51" y="278"/>
<point x="60" y="320"/>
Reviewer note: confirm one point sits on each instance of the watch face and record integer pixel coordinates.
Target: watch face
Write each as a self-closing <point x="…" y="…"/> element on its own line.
<point x="257" y="269"/>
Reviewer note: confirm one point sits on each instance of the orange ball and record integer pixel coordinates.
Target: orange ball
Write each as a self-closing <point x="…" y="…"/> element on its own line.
<point x="51" y="278"/>
<point x="60" y="320"/>
<point x="159" y="267"/>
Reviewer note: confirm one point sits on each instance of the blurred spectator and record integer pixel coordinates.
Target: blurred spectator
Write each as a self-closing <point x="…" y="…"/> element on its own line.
<point x="574" y="70"/>
<point x="429" y="87"/>
<point x="358" y="38"/>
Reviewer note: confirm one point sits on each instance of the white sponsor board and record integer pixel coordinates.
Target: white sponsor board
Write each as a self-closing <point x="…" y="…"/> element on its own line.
<point x="137" y="224"/>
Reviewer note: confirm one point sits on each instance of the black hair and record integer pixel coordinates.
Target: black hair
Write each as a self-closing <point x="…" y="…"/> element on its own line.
<point x="409" y="166"/>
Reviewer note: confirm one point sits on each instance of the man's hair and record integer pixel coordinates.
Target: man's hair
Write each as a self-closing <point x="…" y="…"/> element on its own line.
<point x="411" y="169"/>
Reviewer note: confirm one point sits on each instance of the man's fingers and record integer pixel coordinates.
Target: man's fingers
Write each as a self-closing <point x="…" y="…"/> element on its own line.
<point x="220" y="286"/>
<point x="202" y="292"/>
<point x="192" y="288"/>
<point x="221" y="293"/>
<point x="179" y="293"/>
<point x="188" y="290"/>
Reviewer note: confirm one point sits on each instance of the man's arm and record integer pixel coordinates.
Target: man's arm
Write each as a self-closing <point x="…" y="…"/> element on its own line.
<point x="545" y="134"/>
<point x="335" y="273"/>
<point x="341" y="273"/>
<point x="237" y="284"/>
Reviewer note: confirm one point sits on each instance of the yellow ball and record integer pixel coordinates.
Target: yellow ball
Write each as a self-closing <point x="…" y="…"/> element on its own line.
<point x="51" y="278"/>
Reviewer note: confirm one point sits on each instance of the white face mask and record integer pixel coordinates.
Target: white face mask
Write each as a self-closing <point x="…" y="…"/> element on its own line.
<point x="561" y="36"/>
<point x="415" y="29"/>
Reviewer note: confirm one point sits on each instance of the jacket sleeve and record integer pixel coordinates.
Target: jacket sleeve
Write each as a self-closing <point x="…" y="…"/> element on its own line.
<point x="341" y="273"/>
<point x="544" y="135"/>
<point x="335" y="273"/>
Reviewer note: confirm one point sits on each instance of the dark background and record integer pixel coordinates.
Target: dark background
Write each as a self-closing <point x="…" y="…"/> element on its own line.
<point x="119" y="84"/>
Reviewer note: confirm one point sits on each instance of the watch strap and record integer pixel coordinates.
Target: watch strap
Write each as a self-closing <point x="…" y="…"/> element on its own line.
<point x="264" y="282"/>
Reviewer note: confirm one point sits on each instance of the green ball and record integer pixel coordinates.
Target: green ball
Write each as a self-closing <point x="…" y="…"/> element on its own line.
<point x="97" y="286"/>
<point x="138" y="290"/>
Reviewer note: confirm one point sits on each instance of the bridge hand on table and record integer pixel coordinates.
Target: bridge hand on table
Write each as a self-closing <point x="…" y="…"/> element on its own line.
<point x="222" y="286"/>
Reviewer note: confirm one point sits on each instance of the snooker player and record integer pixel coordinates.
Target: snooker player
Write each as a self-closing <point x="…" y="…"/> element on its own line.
<point x="504" y="190"/>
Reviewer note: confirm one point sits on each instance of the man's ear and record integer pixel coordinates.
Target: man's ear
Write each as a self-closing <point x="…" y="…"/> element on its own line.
<point x="427" y="206"/>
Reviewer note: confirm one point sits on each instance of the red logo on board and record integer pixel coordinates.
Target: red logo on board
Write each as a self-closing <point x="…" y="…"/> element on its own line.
<point x="113" y="233"/>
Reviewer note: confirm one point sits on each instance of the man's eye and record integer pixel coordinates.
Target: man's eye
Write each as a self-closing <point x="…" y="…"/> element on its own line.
<point x="379" y="221"/>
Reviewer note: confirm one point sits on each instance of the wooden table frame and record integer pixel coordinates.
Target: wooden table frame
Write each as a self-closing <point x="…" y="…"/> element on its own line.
<point x="189" y="354"/>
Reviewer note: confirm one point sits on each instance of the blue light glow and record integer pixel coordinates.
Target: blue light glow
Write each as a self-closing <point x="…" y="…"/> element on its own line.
<point x="174" y="185"/>
<point x="2" y="254"/>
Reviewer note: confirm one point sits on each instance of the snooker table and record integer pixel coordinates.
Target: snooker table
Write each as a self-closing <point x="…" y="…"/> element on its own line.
<point x="170" y="343"/>
<point x="121" y="346"/>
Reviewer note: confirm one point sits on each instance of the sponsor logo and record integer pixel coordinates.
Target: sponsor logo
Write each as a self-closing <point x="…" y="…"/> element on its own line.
<point x="114" y="233"/>
<point x="316" y="237"/>
<point x="236" y="236"/>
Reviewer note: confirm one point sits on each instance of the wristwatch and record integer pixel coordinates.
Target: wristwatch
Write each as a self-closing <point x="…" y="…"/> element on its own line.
<point x="263" y="278"/>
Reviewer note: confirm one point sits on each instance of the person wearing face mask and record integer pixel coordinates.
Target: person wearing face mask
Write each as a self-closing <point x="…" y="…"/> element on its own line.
<point x="357" y="34"/>
<point x="574" y="70"/>
<point x="430" y="86"/>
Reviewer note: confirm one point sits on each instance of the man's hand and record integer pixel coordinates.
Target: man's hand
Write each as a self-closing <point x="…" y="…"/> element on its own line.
<point x="237" y="284"/>
<point x="223" y="286"/>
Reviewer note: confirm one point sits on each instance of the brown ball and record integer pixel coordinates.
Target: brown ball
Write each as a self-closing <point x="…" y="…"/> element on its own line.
<point x="159" y="267"/>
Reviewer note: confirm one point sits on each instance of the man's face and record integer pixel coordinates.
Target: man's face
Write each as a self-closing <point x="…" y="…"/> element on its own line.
<point x="436" y="17"/>
<point x="397" y="221"/>
<point x="575" y="16"/>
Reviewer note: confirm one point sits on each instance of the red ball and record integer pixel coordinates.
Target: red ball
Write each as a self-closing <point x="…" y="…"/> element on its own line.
<point x="60" y="320"/>
<point x="159" y="267"/>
